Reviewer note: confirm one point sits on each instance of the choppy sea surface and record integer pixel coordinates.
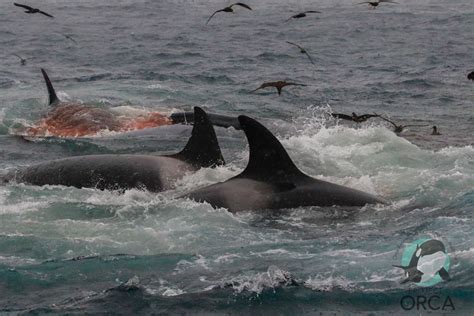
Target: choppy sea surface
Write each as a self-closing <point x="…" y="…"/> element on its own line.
<point x="67" y="250"/>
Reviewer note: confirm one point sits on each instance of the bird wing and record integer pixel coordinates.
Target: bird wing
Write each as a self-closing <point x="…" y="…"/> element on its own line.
<point x="213" y="15"/>
<point x="70" y="38"/>
<point x="242" y="5"/>
<point x="342" y="116"/>
<point x="387" y="120"/>
<point x="44" y="13"/>
<point x="266" y="85"/>
<point x="291" y="17"/>
<point x="309" y="57"/>
<point x="23" y="6"/>
<point x="312" y="11"/>
<point x="17" y="56"/>
<point x="364" y="2"/>
<point x="295" y="45"/>
<point x="293" y="84"/>
<point x="261" y="87"/>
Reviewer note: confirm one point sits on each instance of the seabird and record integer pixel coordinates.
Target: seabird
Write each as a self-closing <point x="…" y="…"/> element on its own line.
<point x="374" y="4"/>
<point x="354" y="117"/>
<point x="22" y="60"/>
<point x="32" y="10"/>
<point x="229" y="9"/>
<point x="435" y="131"/>
<point x="397" y="129"/>
<point x="69" y="38"/>
<point x="470" y="76"/>
<point x="302" y="15"/>
<point x="302" y="51"/>
<point x="278" y="85"/>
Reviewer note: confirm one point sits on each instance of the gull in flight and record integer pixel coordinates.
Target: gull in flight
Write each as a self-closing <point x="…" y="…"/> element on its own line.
<point x="229" y="9"/>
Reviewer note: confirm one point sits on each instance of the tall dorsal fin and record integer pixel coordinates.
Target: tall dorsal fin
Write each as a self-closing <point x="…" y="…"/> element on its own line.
<point x="268" y="160"/>
<point x="202" y="149"/>
<point x="53" y="98"/>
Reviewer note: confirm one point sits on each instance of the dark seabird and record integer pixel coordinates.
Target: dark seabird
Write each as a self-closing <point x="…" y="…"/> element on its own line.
<point x="354" y="117"/>
<point x="435" y="131"/>
<point x="374" y="4"/>
<point x="278" y="85"/>
<point x="397" y="129"/>
<point x="301" y="15"/>
<point x="69" y="38"/>
<point x="470" y="76"/>
<point x="32" y="10"/>
<point x="229" y="9"/>
<point x="22" y="60"/>
<point x="302" y="51"/>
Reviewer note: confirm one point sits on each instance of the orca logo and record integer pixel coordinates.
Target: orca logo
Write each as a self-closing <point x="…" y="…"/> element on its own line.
<point x="425" y="262"/>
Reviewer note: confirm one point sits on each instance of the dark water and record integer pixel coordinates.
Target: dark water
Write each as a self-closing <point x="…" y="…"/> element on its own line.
<point x="70" y="250"/>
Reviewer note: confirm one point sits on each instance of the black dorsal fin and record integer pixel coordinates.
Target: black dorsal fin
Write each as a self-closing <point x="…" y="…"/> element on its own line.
<point x="202" y="149"/>
<point x="268" y="160"/>
<point x="53" y="98"/>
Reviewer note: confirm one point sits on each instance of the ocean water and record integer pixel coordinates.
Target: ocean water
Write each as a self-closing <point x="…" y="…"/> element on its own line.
<point x="67" y="250"/>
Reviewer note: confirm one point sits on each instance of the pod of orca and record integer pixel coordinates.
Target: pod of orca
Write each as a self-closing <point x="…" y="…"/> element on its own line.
<point x="270" y="181"/>
<point x="120" y="172"/>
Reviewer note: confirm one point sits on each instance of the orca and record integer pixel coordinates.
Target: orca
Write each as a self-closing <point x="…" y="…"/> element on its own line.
<point x="272" y="181"/>
<point x="72" y="119"/>
<point x="118" y="172"/>
<point x="427" y="260"/>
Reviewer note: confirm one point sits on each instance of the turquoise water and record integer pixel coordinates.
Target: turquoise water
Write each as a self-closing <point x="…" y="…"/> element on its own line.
<point x="70" y="250"/>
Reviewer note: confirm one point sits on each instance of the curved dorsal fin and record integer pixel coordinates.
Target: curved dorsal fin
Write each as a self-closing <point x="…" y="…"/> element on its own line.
<point x="202" y="149"/>
<point x="53" y="98"/>
<point x="268" y="160"/>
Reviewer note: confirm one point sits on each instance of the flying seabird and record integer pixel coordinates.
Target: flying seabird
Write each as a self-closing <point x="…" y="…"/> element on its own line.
<point x="470" y="76"/>
<point x="229" y="9"/>
<point x="278" y="85"/>
<point x="32" y="10"/>
<point x="397" y="129"/>
<point x="302" y="15"/>
<point x="374" y="4"/>
<point x="302" y="51"/>
<point x="69" y="37"/>
<point x="354" y="117"/>
<point x="22" y="60"/>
